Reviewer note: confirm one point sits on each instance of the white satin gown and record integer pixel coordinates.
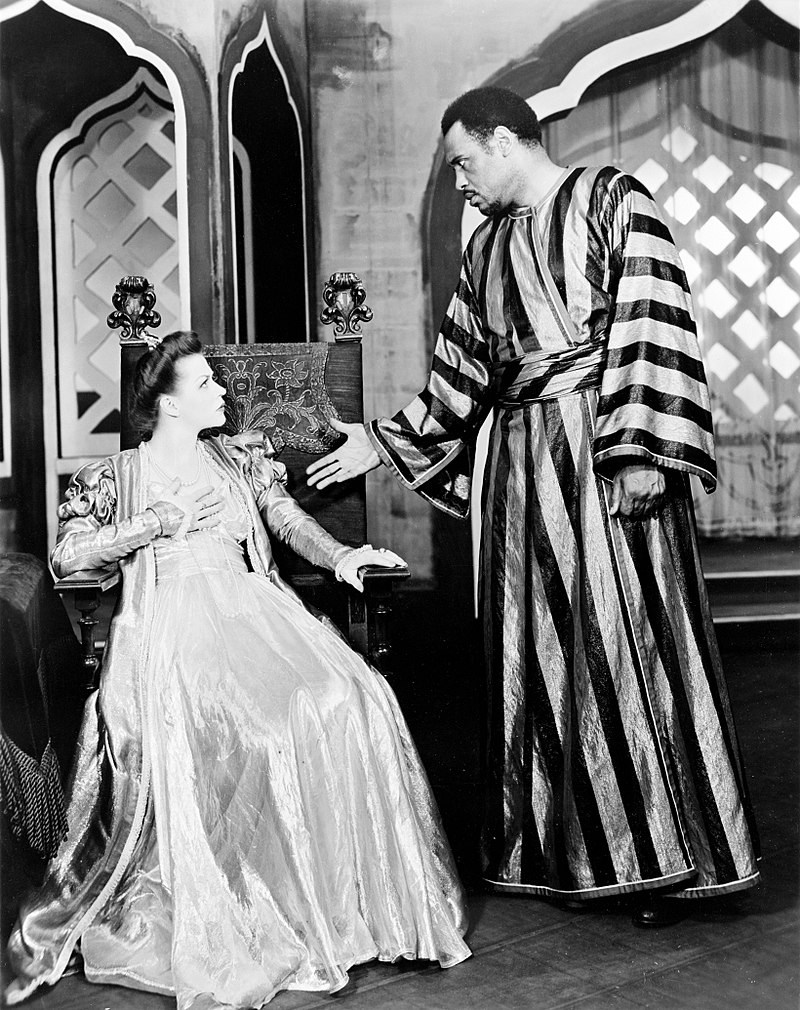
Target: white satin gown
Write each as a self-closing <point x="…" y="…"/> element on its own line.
<point x="292" y="832"/>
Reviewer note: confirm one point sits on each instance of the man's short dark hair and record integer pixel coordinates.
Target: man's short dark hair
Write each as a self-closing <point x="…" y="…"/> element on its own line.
<point x="481" y="110"/>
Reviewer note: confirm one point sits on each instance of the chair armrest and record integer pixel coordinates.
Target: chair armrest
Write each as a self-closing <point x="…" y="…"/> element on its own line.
<point x="99" y="580"/>
<point x="373" y="574"/>
<point x="370" y="613"/>
<point x="87" y="587"/>
<point x="312" y="580"/>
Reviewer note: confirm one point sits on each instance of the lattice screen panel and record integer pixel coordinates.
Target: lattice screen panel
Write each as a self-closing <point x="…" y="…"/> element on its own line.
<point x="727" y="221"/>
<point x="115" y="213"/>
<point x="737" y="224"/>
<point x="711" y="129"/>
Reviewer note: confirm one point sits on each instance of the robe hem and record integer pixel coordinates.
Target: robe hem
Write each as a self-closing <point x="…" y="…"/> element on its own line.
<point x="385" y="456"/>
<point x="429" y="473"/>
<point x="711" y="890"/>
<point x="590" y="892"/>
<point x="708" y="479"/>
<point x="439" y="504"/>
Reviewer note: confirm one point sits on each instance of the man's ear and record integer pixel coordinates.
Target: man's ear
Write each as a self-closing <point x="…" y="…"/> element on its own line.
<point x="504" y="139"/>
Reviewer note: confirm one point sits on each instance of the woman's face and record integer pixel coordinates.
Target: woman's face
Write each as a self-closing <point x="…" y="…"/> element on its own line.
<point x="197" y="399"/>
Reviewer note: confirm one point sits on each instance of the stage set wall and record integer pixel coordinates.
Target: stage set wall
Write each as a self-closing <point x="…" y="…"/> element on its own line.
<point x="369" y="79"/>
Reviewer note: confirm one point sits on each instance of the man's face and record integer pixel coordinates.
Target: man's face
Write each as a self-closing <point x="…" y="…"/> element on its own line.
<point x="481" y="171"/>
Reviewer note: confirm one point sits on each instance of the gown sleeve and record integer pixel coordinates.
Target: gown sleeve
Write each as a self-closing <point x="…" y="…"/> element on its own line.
<point x="89" y="535"/>
<point x="654" y="401"/>
<point x="423" y="444"/>
<point x="280" y="513"/>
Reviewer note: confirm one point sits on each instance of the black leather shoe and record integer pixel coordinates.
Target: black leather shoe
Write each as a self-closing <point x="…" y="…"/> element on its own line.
<point x="657" y="913"/>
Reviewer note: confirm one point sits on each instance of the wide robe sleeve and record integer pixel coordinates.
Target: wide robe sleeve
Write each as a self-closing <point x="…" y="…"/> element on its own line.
<point x="423" y="444"/>
<point x="654" y="401"/>
<point x="90" y="537"/>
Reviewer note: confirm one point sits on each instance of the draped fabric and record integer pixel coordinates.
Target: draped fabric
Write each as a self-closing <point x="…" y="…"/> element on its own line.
<point x="247" y="812"/>
<point x="712" y="130"/>
<point x="612" y="759"/>
<point x="653" y="395"/>
<point x="42" y="674"/>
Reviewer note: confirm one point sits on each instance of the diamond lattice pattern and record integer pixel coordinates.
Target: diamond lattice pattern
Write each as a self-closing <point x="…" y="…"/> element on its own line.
<point x="114" y="194"/>
<point x="738" y="228"/>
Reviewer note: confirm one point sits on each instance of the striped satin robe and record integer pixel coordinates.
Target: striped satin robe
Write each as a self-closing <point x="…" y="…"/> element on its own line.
<point x="612" y="759"/>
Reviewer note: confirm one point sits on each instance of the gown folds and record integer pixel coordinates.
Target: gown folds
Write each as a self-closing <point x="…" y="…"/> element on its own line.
<point x="248" y="812"/>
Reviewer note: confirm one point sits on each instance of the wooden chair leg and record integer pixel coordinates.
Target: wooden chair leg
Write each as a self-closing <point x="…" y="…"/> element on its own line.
<point x="370" y="615"/>
<point x="86" y="602"/>
<point x="357" y="623"/>
<point x="87" y="587"/>
<point x="379" y="609"/>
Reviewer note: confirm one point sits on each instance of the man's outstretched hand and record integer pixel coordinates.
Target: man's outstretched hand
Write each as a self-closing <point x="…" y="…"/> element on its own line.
<point x="352" y="458"/>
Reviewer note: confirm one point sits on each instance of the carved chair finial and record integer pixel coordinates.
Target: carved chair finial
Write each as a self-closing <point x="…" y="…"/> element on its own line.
<point x="133" y="300"/>
<point x="344" y="297"/>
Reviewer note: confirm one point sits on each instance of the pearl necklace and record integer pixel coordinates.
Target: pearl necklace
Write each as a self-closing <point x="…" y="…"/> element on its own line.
<point x="166" y="476"/>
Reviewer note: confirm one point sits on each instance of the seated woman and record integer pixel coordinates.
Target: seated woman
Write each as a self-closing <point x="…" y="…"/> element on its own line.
<point x="247" y="810"/>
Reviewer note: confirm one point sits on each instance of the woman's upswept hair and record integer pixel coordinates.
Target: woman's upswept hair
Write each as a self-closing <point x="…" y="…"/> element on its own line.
<point x="155" y="377"/>
<point x="481" y="110"/>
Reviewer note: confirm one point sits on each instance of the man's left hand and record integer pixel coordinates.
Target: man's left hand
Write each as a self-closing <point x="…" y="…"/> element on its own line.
<point x="638" y="491"/>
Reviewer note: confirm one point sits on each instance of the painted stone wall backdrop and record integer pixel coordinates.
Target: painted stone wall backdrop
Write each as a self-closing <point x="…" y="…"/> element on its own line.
<point x="381" y="73"/>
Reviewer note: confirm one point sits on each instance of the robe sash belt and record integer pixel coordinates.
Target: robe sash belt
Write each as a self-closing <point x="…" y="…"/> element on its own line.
<point x="549" y="375"/>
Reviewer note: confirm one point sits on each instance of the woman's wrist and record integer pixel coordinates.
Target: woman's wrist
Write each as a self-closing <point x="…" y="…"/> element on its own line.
<point x="158" y="517"/>
<point x="347" y="558"/>
<point x="174" y="519"/>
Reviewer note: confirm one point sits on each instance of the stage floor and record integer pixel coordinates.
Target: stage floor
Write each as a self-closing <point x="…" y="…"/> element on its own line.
<point x="531" y="954"/>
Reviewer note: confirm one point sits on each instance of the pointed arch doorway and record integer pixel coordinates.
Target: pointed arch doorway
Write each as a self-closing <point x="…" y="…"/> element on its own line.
<point x="273" y="237"/>
<point x="57" y="61"/>
<point x="107" y="206"/>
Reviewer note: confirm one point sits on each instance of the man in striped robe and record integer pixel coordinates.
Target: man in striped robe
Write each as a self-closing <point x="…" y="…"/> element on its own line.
<point x="613" y="762"/>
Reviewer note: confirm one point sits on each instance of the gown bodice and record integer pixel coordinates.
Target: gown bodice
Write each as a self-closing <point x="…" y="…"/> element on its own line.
<point x="215" y="550"/>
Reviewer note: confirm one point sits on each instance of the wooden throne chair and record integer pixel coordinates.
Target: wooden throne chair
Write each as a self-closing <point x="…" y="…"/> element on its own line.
<point x="288" y="391"/>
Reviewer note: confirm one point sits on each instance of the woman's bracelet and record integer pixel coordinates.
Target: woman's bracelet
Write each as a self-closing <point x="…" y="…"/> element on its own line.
<point x="183" y="525"/>
<point x="160" y="524"/>
<point x="348" y="558"/>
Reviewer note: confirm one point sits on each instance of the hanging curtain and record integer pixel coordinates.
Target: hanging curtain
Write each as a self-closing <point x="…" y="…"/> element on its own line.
<point x="712" y="130"/>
